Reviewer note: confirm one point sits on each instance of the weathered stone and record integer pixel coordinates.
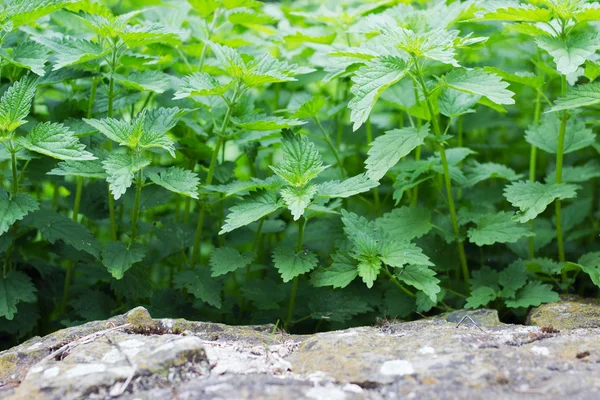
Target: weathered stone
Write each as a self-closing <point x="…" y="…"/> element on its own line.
<point x="571" y="312"/>
<point x="482" y="317"/>
<point x="136" y="357"/>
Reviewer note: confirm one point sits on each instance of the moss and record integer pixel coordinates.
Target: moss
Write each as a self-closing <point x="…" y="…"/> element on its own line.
<point x="140" y="320"/>
<point x="8" y="365"/>
<point x="572" y="312"/>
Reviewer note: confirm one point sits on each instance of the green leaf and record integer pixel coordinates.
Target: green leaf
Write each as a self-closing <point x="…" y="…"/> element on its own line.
<point x="533" y="294"/>
<point x="339" y="275"/>
<point x="297" y="199"/>
<point x="388" y="149"/>
<point x="576" y="174"/>
<point x="16" y="103"/>
<point x="512" y="278"/>
<point x="84" y="169"/>
<point x="123" y="132"/>
<point x="177" y="180"/>
<point x="532" y="198"/>
<point x="71" y="51"/>
<point x="266" y="69"/>
<point x="26" y="11"/>
<point x="453" y="103"/>
<point x="569" y="54"/>
<point x="150" y="80"/>
<point x="522" y="13"/>
<point x="368" y="269"/>
<point x="310" y="108"/>
<point x="476" y="172"/>
<point x="157" y="122"/>
<point x="263" y="122"/>
<point x="29" y="55"/>
<point x="55" y="140"/>
<point x="433" y="44"/>
<point x="398" y="253"/>
<point x="350" y="187"/>
<point x="302" y="162"/>
<point x="118" y="258"/>
<point x="226" y="259"/>
<point x="200" y="84"/>
<point x="498" y="228"/>
<point x="14" y="288"/>
<point x="147" y="33"/>
<point x="120" y="169"/>
<point x="369" y="83"/>
<point x="199" y="283"/>
<point x="265" y="294"/>
<point x="579" y="96"/>
<point x="229" y="59"/>
<point x="421" y="278"/>
<point x="291" y="263"/>
<point x="545" y="135"/>
<point x="13" y="209"/>
<point x="481" y="83"/>
<point x="590" y="264"/>
<point x="480" y="297"/>
<point x="53" y="227"/>
<point x="406" y="223"/>
<point x="249" y="211"/>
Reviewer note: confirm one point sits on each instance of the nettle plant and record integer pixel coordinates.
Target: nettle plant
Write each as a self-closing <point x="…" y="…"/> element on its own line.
<point x="314" y="165"/>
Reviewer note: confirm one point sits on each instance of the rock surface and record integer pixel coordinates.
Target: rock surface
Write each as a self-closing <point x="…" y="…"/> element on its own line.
<point x="572" y="312"/>
<point x="135" y="357"/>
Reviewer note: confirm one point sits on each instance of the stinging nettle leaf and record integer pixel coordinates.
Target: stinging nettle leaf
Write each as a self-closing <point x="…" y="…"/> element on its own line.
<point x="498" y="228"/>
<point x="250" y="210"/>
<point x="226" y="259"/>
<point x="350" y="187"/>
<point x="291" y="263"/>
<point x="13" y="209"/>
<point x="177" y="180"/>
<point x="545" y="135"/>
<point x="16" y="103"/>
<point x="571" y="53"/>
<point x="298" y="199"/>
<point x="532" y="198"/>
<point x="200" y="84"/>
<point x="56" y="141"/>
<point x="406" y="223"/>
<point x="150" y="80"/>
<point x="533" y="294"/>
<point x="14" y="288"/>
<point x="199" y="283"/>
<point x="339" y="275"/>
<point x="481" y="83"/>
<point x="579" y="96"/>
<point x="370" y="82"/>
<point x="388" y="149"/>
<point x="118" y="258"/>
<point x="84" y="169"/>
<point x="120" y="169"/>
<point x="29" y="55"/>
<point x="421" y="278"/>
<point x="263" y="122"/>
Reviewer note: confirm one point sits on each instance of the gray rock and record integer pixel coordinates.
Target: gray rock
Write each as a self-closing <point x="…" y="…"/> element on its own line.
<point x="571" y="312"/>
<point x="135" y="357"/>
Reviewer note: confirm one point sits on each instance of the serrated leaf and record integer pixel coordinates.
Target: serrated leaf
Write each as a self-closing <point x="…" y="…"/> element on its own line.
<point x="13" y="209"/>
<point x="577" y="174"/>
<point x="56" y="141"/>
<point x="310" y="108"/>
<point x="422" y="278"/>
<point x="480" y="297"/>
<point x="84" y="169"/>
<point x="522" y="13"/>
<point x="25" y="11"/>
<point x="481" y="83"/>
<point x="339" y="274"/>
<point x="150" y="80"/>
<point x="147" y="33"/>
<point x="298" y="199"/>
<point x="123" y="132"/>
<point x="226" y="259"/>
<point x="263" y="122"/>
<point x="545" y="135"/>
<point x="53" y="227"/>
<point x="476" y="172"/>
<point x="16" y="103"/>
<point x="29" y="55"/>
<point x="406" y="223"/>
<point x="350" y="187"/>
<point x="579" y="96"/>
<point x="454" y="103"/>
<point x="512" y="278"/>
<point x="498" y="228"/>
<point x="199" y="283"/>
<point x="302" y="162"/>
<point x="118" y="258"/>
<point x="177" y="180"/>
<point x="291" y="263"/>
<point x="71" y="51"/>
<point x="249" y="211"/>
<point x="398" y="253"/>
<point x="590" y="264"/>
<point x="229" y="59"/>
<point x="388" y="149"/>
<point x="200" y="84"/>
<point x="369" y="83"/>
<point x="532" y="198"/>
<point x="433" y="44"/>
<point x="569" y="54"/>
<point x="156" y="123"/>
<point x="14" y="288"/>
<point x="266" y="69"/>
<point x="120" y="169"/>
<point x="533" y="294"/>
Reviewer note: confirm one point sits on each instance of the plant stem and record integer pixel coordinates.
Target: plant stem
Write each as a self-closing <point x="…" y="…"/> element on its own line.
<point x="136" y="206"/>
<point x="397" y="283"/>
<point x="301" y="225"/>
<point x="448" y="183"/>
<point x="111" y="95"/>
<point x="71" y="263"/>
<point x="375" y="190"/>
<point x="559" y="165"/>
<point x="15" y="180"/>
<point x="533" y="165"/>
<point x="327" y="139"/>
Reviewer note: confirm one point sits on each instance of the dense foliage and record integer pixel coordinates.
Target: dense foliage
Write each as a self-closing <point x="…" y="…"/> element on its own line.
<point x="318" y="164"/>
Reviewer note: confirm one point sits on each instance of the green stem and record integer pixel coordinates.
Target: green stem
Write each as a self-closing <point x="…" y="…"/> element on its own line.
<point x="327" y="139"/>
<point x="301" y="225"/>
<point x="448" y="183"/>
<point x="375" y="190"/>
<point x="397" y="283"/>
<point x="533" y="166"/>
<point x="15" y="180"/>
<point x="136" y="206"/>
<point x="559" y="166"/>
<point x="71" y="263"/>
